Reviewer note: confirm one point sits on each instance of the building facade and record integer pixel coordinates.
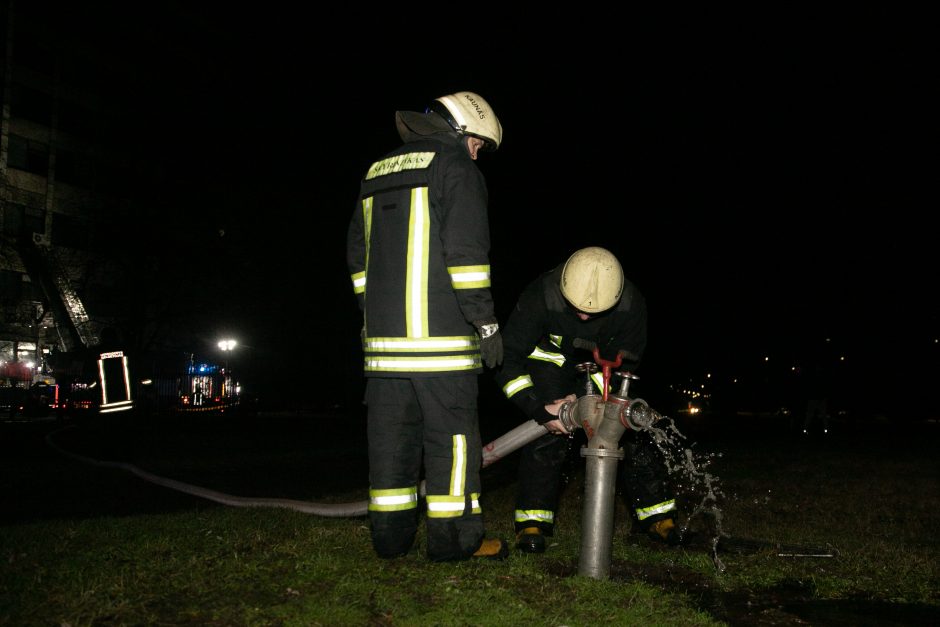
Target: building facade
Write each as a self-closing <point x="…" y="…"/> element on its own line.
<point x="67" y="170"/>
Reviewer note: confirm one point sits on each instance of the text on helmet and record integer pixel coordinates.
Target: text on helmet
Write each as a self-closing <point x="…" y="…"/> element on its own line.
<point x="476" y="105"/>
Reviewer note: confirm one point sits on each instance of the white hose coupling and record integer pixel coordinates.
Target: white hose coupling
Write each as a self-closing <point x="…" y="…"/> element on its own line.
<point x="566" y="415"/>
<point x="638" y="415"/>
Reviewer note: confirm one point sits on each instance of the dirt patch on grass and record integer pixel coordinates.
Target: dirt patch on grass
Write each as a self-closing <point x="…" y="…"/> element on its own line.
<point x="788" y="604"/>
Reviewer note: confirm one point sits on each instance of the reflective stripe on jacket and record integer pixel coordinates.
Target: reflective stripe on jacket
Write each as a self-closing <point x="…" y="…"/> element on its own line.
<point x="418" y="256"/>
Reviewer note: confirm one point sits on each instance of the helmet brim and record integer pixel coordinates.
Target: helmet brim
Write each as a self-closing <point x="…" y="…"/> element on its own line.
<point x="411" y="124"/>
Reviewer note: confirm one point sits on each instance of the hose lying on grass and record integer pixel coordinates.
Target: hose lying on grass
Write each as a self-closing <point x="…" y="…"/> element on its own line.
<point x="335" y="510"/>
<point x="492" y="452"/>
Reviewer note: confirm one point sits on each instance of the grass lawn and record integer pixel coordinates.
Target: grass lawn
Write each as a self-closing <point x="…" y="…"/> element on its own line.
<point x="87" y="544"/>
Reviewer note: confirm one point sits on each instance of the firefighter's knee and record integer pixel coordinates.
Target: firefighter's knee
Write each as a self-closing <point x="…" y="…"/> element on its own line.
<point x="393" y="533"/>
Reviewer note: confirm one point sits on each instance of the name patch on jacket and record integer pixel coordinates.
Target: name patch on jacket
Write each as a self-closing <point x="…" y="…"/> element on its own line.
<point x="400" y="163"/>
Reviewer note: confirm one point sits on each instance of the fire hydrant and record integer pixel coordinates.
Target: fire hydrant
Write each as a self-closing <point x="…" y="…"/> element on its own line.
<point x="604" y="419"/>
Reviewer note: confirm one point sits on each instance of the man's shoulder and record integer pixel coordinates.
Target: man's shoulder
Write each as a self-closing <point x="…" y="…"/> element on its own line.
<point x="543" y="291"/>
<point x="424" y="153"/>
<point x="632" y="298"/>
<point x="439" y="143"/>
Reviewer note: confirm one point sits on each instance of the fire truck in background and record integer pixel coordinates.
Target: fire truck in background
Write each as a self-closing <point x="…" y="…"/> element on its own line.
<point x="25" y="395"/>
<point x="114" y="382"/>
<point x="88" y="367"/>
<point x="199" y="386"/>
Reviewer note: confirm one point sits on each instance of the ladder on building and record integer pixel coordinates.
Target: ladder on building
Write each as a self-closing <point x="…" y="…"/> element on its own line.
<point x="72" y="322"/>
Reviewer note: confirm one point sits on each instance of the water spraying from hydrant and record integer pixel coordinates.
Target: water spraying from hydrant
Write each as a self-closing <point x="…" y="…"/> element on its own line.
<point x="605" y="418"/>
<point x="684" y="463"/>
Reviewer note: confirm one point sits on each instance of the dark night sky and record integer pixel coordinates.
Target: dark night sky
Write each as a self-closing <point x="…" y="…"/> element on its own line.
<point x="765" y="178"/>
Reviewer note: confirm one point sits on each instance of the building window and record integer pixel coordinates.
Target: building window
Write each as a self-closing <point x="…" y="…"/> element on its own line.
<point x="29" y="155"/>
<point x="13" y="218"/>
<point x="22" y="221"/>
<point x="29" y="52"/>
<point x="75" y="168"/>
<point x="11" y="286"/>
<point x="70" y="231"/>
<point x="114" y="178"/>
<point x="34" y="221"/>
<point x="76" y="119"/>
<point x="31" y="104"/>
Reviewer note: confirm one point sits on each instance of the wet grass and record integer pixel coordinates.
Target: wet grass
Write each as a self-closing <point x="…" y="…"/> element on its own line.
<point x="87" y="545"/>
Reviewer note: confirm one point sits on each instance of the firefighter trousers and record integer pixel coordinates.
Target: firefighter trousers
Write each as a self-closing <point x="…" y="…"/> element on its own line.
<point x="430" y="423"/>
<point x="642" y="474"/>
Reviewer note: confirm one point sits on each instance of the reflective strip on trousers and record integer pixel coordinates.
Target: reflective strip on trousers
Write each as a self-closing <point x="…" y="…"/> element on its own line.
<point x="395" y="500"/>
<point x="458" y="470"/>
<point x="643" y="513"/>
<point x="452" y="506"/>
<point x="540" y="515"/>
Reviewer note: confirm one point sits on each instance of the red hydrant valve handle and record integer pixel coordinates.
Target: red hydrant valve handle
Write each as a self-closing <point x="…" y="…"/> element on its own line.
<point x="606" y="367"/>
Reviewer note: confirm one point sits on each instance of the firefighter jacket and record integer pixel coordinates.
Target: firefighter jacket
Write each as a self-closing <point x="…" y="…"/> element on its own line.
<point x="544" y="327"/>
<point x="418" y="254"/>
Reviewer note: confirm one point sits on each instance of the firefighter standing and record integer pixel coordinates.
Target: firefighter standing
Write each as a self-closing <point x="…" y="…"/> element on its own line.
<point x="586" y="298"/>
<point x="418" y="254"/>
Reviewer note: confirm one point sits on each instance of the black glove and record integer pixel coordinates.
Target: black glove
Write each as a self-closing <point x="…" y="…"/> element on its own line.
<point x="533" y="407"/>
<point x="491" y="342"/>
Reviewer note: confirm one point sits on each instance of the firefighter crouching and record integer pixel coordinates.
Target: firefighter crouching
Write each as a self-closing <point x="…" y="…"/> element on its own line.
<point x="588" y="299"/>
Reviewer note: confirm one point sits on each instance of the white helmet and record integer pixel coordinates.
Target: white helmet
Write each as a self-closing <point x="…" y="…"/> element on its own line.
<point x="592" y="280"/>
<point x="469" y="114"/>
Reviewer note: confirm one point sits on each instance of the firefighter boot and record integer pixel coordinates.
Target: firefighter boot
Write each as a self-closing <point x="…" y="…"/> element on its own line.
<point x="492" y="549"/>
<point x="665" y="531"/>
<point x="530" y="540"/>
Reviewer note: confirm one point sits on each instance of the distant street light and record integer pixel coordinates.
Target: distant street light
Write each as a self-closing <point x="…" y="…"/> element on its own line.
<point x="227" y="345"/>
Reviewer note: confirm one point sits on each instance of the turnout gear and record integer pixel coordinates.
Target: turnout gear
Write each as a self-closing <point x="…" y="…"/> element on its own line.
<point x="468" y="113"/>
<point x="491" y="342"/>
<point x="418" y="256"/>
<point x="533" y="408"/>
<point x="541" y="341"/>
<point x="592" y="280"/>
<point x="450" y="448"/>
<point x="530" y="540"/>
<point x="541" y="332"/>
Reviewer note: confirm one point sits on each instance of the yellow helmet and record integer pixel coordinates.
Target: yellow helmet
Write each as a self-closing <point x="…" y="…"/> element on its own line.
<point x="469" y="114"/>
<point x="592" y="280"/>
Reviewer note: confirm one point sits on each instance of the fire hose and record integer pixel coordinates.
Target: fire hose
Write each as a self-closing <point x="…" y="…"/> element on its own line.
<point x="604" y="418"/>
<point x="492" y="453"/>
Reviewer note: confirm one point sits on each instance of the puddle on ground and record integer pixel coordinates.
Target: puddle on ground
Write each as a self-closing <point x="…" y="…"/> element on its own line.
<point x="789" y="604"/>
